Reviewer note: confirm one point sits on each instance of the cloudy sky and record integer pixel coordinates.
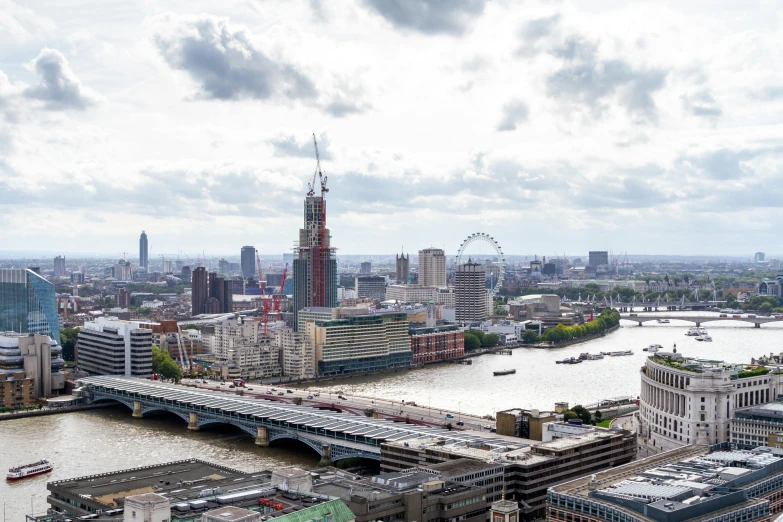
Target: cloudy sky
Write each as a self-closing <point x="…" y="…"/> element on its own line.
<point x="554" y="126"/>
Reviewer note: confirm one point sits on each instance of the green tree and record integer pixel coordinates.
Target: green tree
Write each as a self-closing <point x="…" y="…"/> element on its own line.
<point x="490" y="340"/>
<point x="582" y="414"/>
<point x="68" y="339"/>
<point x="297" y="400"/>
<point x="168" y="369"/>
<point x="530" y="336"/>
<point x="598" y="416"/>
<point x="471" y="342"/>
<point x="477" y="333"/>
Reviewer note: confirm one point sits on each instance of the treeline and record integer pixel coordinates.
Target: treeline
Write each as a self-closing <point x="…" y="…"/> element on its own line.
<point x="475" y="339"/>
<point x="606" y="320"/>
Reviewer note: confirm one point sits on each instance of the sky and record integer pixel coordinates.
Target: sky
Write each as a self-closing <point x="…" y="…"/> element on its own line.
<point x="556" y="127"/>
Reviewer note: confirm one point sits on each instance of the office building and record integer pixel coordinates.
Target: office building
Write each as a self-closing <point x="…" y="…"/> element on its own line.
<point x="185" y="274"/>
<point x="688" y="401"/>
<point x="244" y="344"/>
<point x="248" y="262"/>
<point x="123" y="271"/>
<point x="315" y="267"/>
<point x="370" y="287"/>
<point x="31" y="367"/>
<point x="436" y="343"/>
<point x="223" y="267"/>
<point x="759" y="257"/>
<point x="297" y="352"/>
<point x="697" y="483"/>
<point x="470" y="292"/>
<point x="773" y="264"/>
<point x="366" y="268"/>
<point x="144" y="252"/>
<point x="403" y="269"/>
<point x="109" y="346"/>
<point x="360" y="343"/>
<point x="28" y="303"/>
<point x="77" y="278"/>
<point x="598" y="258"/>
<point x="59" y="267"/>
<point x="199" y="290"/>
<point x="432" y="267"/>
<point x="526" y="424"/>
<point x="411" y="293"/>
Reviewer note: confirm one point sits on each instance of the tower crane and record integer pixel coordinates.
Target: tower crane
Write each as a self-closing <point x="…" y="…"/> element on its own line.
<point x="262" y="285"/>
<point x="318" y="172"/>
<point x="277" y="297"/>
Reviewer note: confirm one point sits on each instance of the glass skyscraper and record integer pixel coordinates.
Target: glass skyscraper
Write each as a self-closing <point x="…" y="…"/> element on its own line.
<point x="28" y="303"/>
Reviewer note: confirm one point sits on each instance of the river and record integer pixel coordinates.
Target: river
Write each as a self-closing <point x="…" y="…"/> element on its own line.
<point x="97" y="441"/>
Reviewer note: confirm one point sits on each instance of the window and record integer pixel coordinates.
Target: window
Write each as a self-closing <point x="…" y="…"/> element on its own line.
<point x="702" y="399"/>
<point x="133" y="513"/>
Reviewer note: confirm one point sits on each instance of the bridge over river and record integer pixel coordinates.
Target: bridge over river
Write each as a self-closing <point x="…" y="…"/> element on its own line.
<point x="699" y="319"/>
<point x="333" y="435"/>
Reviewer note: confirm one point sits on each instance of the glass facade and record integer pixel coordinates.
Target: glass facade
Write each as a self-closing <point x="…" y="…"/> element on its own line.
<point x="28" y="303"/>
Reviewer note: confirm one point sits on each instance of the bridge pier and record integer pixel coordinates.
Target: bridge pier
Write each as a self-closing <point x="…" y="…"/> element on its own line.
<point x="756" y="325"/>
<point x="262" y="439"/>
<point x="193" y="424"/>
<point x="326" y="457"/>
<point x="698" y="324"/>
<point x="641" y="324"/>
<point x="137" y="414"/>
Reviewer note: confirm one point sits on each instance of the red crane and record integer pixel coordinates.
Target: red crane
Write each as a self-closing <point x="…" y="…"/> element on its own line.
<point x="262" y="285"/>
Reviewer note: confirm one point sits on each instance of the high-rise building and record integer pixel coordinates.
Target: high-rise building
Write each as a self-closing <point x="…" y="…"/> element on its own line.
<point x="123" y="271"/>
<point x="470" y="292"/>
<point x="248" y="261"/>
<point x="59" y="266"/>
<point x="403" y="269"/>
<point x="217" y="289"/>
<point x="366" y="268"/>
<point x="598" y="258"/>
<point x="371" y="287"/>
<point x="108" y="346"/>
<point x="28" y="303"/>
<point x="199" y="290"/>
<point x="315" y="267"/>
<point x="432" y="267"/>
<point x="185" y="275"/>
<point x="144" y="252"/>
<point x="759" y="257"/>
<point x="223" y="267"/>
<point x="227" y="304"/>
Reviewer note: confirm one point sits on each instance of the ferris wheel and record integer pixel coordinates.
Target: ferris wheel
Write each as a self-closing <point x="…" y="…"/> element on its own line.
<point x="500" y="263"/>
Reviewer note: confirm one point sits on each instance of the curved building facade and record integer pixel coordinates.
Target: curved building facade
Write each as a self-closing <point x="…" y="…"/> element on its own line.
<point x="28" y="303"/>
<point x="686" y="401"/>
<point x="35" y="357"/>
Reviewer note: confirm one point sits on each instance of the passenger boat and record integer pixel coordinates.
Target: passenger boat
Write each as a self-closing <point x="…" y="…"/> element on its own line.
<point x="705" y="338"/>
<point x="504" y="372"/>
<point x="663" y="321"/>
<point x="653" y="348"/>
<point x="29" y="470"/>
<point x="618" y="353"/>
<point x="692" y="331"/>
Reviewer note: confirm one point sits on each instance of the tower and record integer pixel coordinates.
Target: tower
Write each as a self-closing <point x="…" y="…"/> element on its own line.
<point x="199" y="290"/>
<point x="144" y="252"/>
<point x="432" y="267"/>
<point x="470" y="292"/>
<point x="403" y="269"/>
<point x="248" y="261"/>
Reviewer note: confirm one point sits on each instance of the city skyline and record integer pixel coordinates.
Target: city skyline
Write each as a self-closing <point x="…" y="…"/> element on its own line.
<point x="654" y="128"/>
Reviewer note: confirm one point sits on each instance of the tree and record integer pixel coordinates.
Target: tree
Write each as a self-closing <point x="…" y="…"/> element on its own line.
<point x="369" y="412"/>
<point x="297" y="401"/>
<point x="490" y="340"/>
<point x="168" y="369"/>
<point x="471" y="342"/>
<point x="598" y="416"/>
<point x="530" y="336"/>
<point x="68" y="339"/>
<point x="477" y="333"/>
<point x="579" y="412"/>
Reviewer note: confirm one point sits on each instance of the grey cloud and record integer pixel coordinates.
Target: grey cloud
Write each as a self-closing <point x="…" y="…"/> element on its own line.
<point x="771" y="93"/>
<point x="587" y="80"/>
<point x="539" y="27"/>
<point x="701" y="103"/>
<point x="429" y="16"/>
<point x="225" y="61"/>
<point x="514" y="113"/>
<point x="633" y="190"/>
<point x="289" y="146"/>
<point x="723" y="164"/>
<point x="59" y="89"/>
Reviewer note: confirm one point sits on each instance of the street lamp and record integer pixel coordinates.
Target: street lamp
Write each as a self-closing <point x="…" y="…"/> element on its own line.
<point x="459" y="415"/>
<point x="429" y="406"/>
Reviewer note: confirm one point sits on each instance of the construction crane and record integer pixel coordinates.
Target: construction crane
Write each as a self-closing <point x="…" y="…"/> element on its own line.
<point x="318" y="172"/>
<point x="183" y="356"/>
<point x="277" y="297"/>
<point x="262" y="285"/>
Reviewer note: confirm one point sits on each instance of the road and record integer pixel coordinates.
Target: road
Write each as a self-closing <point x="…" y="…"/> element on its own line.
<point x="355" y="403"/>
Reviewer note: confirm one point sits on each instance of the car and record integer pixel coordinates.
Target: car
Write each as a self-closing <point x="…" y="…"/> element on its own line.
<point x="289" y="391"/>
<point x="280" y="393"/>
<point x="274" y="389"/>
<point x="270" y="392"/>
<point x="460" y="423"/>
<point x="317" y="394"/>
<point x="251" y="389"/>
<point x="449" y="416"/>
<point x="309" y="396"/>
<point x="493" y="430"/>
<point x="344" y="398"/>
<point x="487" y="427"/>
<point x="231" y="386"/>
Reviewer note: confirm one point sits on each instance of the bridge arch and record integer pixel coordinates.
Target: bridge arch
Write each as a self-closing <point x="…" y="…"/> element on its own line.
<point x="250" y="430"/>
<point x="281" y="435"/>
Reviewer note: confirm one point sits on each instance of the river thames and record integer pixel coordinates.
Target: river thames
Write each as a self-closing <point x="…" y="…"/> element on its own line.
<point x="104" y="440"/>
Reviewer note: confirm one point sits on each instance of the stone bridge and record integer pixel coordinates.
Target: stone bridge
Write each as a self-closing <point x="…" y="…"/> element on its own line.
<point x="333" y="435"/>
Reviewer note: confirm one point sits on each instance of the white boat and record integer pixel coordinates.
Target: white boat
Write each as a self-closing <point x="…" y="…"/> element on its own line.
<point x="653" y="348"/>
<point x="701" y="330"/>
<point x="663" y="321"/>
<point x="29" y="470"/>
<point x="705" y="338"/>
<point x="692" y="331"/>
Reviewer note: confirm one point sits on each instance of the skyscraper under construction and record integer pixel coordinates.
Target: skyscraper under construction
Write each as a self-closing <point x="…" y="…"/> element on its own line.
<point x="315" y="266"/>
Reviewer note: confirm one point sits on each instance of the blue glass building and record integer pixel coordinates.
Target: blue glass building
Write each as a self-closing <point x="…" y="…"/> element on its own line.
<point x="28" y="303"/>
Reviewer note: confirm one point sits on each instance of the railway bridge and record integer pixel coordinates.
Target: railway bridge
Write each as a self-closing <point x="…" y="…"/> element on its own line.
<point x="333" y="435"/>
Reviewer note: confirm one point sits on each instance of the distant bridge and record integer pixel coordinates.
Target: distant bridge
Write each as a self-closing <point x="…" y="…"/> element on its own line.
<point x="334" y="436"/>
<point x="699" y="319"/>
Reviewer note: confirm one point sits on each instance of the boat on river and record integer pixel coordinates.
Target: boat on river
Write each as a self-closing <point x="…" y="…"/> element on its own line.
<point x="692" y="332"/>
<point x="704" y="338"/>
<point x="504" y="372"/>
<point x="29" y="470"/>
<point x="653" y="348"/>
<point x="663" y="321"/>
<point x="569" y="360"/>
<point x="620" y="353"/>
